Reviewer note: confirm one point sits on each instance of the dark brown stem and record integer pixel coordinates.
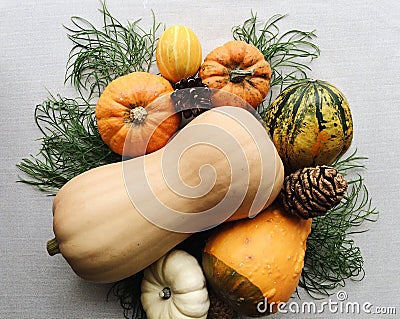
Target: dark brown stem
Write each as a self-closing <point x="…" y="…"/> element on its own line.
<point x="238" y="75"/>
<point x="165" y="293"/>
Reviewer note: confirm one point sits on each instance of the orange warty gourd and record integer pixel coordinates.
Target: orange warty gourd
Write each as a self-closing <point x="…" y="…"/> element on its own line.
<point x="239" y="68"/>
<point x="131" y="107"/>
<point x="178" y="53"/>
<point x="99" y="216"/>
<point x="251" y="259"/>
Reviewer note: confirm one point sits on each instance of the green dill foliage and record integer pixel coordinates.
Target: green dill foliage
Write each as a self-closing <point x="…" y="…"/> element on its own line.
<point x="99" y="55"/>
<point x="127" y="292"/>
<point x="289" y="53"/>
<point x="70" y="144"/>
<point x="332" y="256"/>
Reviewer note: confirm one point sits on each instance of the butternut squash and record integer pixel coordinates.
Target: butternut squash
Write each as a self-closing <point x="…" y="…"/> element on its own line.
<point x="113" y="221"/>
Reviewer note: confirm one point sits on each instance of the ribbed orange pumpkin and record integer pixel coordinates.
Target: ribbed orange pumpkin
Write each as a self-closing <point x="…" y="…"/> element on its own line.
<point x="178" y="53"/>
<point x="239" y="68"/>
<point x="132" y="107"/>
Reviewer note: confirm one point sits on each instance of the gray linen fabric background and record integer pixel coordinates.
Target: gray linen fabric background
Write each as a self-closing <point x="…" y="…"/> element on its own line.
<point x="360" y="54"/>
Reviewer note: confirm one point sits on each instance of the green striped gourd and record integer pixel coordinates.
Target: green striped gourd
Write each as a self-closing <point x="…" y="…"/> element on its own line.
<point x="310" y="123"/>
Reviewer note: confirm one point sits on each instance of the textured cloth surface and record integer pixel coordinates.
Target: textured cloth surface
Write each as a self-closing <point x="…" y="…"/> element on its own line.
<point x="360" y="54"/>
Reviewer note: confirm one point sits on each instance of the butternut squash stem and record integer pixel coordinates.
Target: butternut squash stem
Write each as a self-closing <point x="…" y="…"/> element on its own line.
<point x="52" y="247"/>
<point x="238" y="75"/>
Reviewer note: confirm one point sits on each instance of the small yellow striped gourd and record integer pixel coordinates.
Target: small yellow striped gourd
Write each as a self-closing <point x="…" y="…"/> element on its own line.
<point x="178" y="53"/>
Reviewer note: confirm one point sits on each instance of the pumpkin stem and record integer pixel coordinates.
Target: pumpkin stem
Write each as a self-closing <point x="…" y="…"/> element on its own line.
<point x="238" y="75"/>
<point x="138" y="114"/>
<point x="165" y="293"/>
<point x="52" y="247"/>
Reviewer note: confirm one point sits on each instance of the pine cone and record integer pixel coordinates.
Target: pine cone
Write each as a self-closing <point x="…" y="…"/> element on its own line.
<point x="218" y="308"/>
<point x="191" y="97"/>
<point x="190" y="82"/>
<point x="311" y="192"/>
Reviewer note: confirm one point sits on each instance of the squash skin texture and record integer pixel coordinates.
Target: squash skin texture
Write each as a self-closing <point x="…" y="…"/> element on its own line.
<point x="178" y="53"/>
<point x="182" y="274"/>
<point x="235" y="55"/>
<point x="311" y="124"/>
<point x="105" y="238"/>
<point x="120" y="97"/>
<point x="249" y="260"/>
<point x="97" y="227"/>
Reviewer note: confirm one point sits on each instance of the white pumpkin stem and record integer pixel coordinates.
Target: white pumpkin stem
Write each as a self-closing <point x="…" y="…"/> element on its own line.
<point x="138" y="114"/>
<point x="238" y="75"/>
<point x="165" y="293"/>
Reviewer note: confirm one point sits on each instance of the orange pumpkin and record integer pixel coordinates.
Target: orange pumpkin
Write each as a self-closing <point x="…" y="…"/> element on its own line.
<point x="255" y="258"/>
<point x="137" y="106"/>
<point x="239" y="68"/>
<point x="178" y="53"/>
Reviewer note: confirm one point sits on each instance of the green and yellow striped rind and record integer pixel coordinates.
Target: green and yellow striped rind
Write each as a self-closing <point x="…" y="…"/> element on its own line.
<point x="310" y="124"/>
<point x="235" y="289"/>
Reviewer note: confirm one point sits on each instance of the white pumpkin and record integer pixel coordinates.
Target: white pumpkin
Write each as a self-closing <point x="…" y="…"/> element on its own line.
<point x="174" y="287"/>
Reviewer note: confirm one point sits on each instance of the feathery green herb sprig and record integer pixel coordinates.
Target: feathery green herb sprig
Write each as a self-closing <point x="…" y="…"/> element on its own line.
<point x="100" y="55"/>
<point x="351" y="162"/>
<point x="289" y="53"/>
<point x="332" y="256"/>
<point x="70" y="144"/>
<point x="127" y="291"/>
